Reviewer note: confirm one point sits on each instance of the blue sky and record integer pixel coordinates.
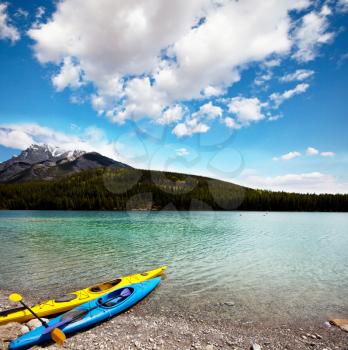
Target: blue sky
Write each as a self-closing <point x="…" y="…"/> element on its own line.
<point x="246" y="92"/>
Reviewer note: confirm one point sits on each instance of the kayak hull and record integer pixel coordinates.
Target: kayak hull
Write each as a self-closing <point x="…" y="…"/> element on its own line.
<point x="74" y="299"/>
<point x="94" y="312"/>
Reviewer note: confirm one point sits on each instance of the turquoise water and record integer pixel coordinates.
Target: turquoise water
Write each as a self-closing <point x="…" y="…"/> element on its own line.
<point x="279" y="265"/>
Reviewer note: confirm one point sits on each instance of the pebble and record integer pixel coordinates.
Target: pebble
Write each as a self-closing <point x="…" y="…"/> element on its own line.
<point x="33" y="324"/>
<point x="255" y="346"/>
<point x="24" y="329"/>
<point x="230" y="303"/>
<point x="10" y="331"/>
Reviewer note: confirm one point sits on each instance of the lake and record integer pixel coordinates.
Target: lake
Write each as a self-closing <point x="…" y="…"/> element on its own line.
<point x="277" y="266"/>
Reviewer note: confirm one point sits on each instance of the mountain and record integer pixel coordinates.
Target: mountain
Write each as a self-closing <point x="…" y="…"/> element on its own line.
<point x="89" y="181"/>
<point x="45" y="162"/>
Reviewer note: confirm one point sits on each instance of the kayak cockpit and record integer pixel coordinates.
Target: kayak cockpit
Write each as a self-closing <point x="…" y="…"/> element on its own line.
<point x="65" y="298"/>
<point x="104" y="286"/>
<point x="116" y="297"/>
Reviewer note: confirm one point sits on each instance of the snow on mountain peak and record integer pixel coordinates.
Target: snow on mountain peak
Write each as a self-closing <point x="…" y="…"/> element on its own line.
<point x="53" y="152"/>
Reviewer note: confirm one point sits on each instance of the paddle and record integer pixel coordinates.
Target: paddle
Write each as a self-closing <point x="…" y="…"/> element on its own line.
<point x="57" y="335"/>
<point x="80" y="313"/>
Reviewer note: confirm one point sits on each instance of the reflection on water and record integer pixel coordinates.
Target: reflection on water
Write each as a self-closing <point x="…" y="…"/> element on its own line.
<point x="279" y="264"/>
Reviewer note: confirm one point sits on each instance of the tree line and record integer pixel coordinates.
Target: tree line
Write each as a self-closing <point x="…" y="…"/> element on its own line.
<point x="132" y="189"/>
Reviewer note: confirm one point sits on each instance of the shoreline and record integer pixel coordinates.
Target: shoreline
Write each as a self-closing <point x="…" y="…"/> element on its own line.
<point x="179" y="210"/>
<point x="138" y="329"/>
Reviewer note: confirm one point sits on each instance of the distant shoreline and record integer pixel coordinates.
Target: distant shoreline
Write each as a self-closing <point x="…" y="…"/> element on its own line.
<point x="175" y="210"/>
<point x="132" y="189"/>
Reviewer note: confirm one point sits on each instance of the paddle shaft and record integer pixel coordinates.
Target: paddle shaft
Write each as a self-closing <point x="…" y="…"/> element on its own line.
<point x="35" y="315"/>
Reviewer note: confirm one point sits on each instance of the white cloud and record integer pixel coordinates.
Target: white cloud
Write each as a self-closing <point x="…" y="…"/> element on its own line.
<point x="262" y="78"/>
<point x="98" y="103"/>
<point x="143" y="57"/>
<point x="245" y="110"/>
<point x="273" y="118"/>
<point x="311" y="151"/>
<point x="311" y="34"/>
<point x="288" y="156"/>
<point x="342" y="59"/>
<point x="298" y="75"/>
<point x="272" y="63"/>
<point x="215" y="49"/>
<point x="327" y="154"/>
<point x="212" y="91"/>
<point x="209" y="111"/>
<point x="139" y="32"/>
<point x="77" y="99"/>
<point x="70" y="75"/>
<point x="142" y="101"/>
<point x="279" y="98"/>
<point x="171" y="115"/>
<point x="21" y="13"/>
<point x="190" y="127"/>
<point x="197" y="122"/>
<point x="231" y="123"/>
<point x="21" y="136"/>
<point x="10" y="137"/>
<point x="181" y="152"/>
<point x="40" y="11"/>
<point x="342" y="5"/>
<point x="7" y="30"/>
<point x="313" y="182"/>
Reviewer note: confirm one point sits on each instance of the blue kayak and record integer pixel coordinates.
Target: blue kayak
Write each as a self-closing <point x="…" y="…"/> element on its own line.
<point x="88" y="314"/>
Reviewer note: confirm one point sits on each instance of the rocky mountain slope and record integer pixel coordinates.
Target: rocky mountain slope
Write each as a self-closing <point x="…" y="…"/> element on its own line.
<point x="45" y="162"/>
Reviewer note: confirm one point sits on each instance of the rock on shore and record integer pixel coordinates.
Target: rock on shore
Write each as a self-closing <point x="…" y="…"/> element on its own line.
<point x="137" y="329"/>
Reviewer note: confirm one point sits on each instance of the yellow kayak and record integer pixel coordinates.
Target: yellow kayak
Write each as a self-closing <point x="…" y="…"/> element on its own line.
<point x="71" y="300"/>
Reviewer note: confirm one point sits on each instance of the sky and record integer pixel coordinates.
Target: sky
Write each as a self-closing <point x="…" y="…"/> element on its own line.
<point x="249" y="92"/>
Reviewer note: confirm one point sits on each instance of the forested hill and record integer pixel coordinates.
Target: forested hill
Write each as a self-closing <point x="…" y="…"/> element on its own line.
<point x="131" y="189"/>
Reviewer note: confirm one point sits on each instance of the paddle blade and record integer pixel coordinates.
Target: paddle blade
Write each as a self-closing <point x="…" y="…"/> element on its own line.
<point x="15" y="297"/>
<point x="58" y="336"/>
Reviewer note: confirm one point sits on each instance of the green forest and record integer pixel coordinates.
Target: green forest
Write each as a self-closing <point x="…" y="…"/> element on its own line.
<point x="132" y="189"/>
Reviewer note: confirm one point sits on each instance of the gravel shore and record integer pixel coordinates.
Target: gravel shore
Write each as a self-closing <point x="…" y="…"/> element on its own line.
<point x="139" y="329"/>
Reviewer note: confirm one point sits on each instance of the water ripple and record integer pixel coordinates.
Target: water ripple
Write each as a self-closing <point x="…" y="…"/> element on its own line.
<point x="278" y="264"/>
